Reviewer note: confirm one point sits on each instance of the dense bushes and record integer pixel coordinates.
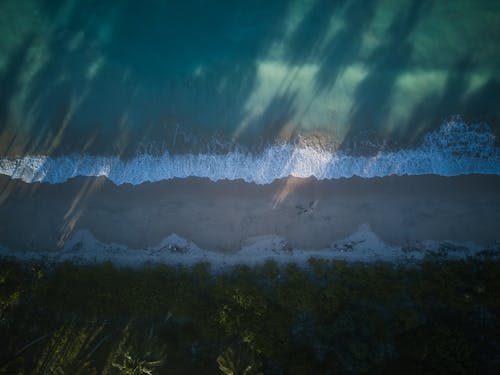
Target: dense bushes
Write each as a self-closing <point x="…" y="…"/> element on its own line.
<point x="329" y="317"/>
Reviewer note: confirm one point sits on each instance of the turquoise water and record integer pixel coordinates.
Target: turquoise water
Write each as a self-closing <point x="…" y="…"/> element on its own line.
<point x="121" y="78"/>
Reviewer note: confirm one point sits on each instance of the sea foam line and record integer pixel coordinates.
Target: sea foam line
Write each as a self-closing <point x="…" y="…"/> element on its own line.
<point x="455" y="149"/>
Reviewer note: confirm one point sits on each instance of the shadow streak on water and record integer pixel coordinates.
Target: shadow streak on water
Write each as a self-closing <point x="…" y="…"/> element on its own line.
<point x="120" y="77"/>
<point x="387" y="62"/>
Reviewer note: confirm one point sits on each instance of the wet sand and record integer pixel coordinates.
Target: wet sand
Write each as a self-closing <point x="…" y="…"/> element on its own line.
<point x="222" y="215"/>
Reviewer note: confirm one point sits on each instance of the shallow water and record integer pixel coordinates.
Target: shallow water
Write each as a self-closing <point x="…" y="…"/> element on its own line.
<point x="120" y="78"/>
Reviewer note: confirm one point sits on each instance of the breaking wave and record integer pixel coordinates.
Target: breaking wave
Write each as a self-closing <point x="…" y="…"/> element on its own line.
<point x="455" y="149"/>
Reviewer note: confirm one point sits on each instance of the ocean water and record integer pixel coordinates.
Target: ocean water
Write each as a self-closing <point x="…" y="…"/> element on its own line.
<point x="256" y="90"/>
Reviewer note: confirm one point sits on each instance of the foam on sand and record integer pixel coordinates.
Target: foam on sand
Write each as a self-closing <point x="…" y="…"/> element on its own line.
<point x="361" y="246"/>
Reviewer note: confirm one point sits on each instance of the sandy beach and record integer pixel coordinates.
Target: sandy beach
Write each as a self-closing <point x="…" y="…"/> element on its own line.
<point x="223" y="216"/>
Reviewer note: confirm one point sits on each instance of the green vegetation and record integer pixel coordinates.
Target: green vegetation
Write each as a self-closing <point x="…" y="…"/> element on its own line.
<point x="328" y="317"/>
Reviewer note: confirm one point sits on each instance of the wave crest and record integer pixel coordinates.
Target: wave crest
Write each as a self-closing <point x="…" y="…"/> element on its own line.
<point x="455" y="149"/>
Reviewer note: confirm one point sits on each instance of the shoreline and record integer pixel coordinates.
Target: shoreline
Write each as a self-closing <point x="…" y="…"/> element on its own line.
<point x="227" y="216"/>
<point x="453" y="150"/>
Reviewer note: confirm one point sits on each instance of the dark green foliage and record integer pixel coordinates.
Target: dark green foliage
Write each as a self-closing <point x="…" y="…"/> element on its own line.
<point x="329" y="317"/>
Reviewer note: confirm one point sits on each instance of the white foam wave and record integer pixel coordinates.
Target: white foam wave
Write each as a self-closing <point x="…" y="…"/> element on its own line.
<point x="455" y="149"/>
